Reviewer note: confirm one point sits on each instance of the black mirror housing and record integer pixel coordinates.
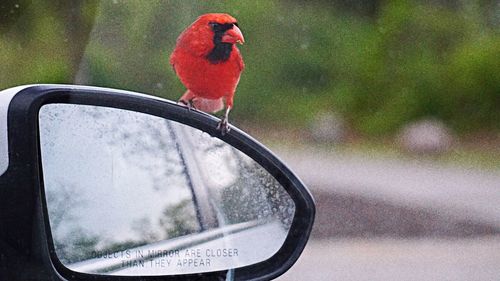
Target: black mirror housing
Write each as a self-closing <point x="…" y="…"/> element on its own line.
<point x="26" y="248"/>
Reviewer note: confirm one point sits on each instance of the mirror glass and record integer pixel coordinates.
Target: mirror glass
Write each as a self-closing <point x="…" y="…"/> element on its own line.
<point x="129" y="193"/>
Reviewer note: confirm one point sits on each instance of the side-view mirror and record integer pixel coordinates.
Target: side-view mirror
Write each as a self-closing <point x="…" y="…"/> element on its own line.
<point x="105" y="184"/>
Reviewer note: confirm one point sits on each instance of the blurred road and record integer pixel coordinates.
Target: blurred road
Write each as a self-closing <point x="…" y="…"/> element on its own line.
<point x="390" y="219"/>
<point x="455" y="191"/>
<point x="401" y="260"/>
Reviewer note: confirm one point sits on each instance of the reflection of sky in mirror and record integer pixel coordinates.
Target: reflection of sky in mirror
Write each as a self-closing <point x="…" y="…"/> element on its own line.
<point x="216" y="159"/>
<point x="119" y="166"/>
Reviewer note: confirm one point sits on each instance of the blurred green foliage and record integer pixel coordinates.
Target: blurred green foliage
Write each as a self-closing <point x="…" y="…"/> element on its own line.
<point x="379" y="64"/>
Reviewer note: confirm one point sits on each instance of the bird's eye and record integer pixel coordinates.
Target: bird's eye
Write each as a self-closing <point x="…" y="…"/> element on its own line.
<point x="214" y="25"/>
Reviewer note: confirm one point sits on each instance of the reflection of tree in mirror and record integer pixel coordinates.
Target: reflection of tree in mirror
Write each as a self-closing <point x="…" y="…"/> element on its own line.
<point x="238" y="204"/>
<point x="179" y="219"/>
<point x="144" y="228"/>
<point x="61" y="202"/>
<point x="146" y="235"/>
<point x="75" y="246"/>
<point x="256" y="195"/>
<point x="71" y="242"/>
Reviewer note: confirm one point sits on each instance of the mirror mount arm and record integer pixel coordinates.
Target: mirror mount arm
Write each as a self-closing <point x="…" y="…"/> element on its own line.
<point x="204" y="211"/>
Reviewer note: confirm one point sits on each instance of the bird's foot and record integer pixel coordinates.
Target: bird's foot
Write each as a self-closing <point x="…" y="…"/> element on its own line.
<point x="223" y="126"/>
<point x="188" y="104"/>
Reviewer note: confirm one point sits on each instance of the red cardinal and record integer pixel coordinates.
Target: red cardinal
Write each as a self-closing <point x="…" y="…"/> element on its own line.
<point x="209" y="64"/>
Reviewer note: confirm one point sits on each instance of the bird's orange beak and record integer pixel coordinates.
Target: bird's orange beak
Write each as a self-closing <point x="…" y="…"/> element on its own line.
<point x="233" y="36"/>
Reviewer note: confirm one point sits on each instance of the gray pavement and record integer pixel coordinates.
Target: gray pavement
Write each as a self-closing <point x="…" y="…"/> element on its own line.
<point x="456" y="191"/>
<point x="382" y="218"/>
<point x="396" y="259"/>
